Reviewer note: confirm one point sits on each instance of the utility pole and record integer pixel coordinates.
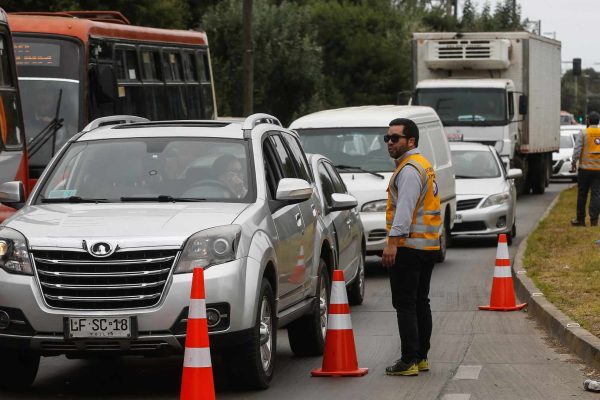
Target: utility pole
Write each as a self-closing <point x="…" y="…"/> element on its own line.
<point x="247" y="59"/>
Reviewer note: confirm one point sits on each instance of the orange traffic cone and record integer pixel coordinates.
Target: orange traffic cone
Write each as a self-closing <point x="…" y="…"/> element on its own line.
<point x="503" y="294"/>
<point x="298" y="275"/>
<point x="340" y="353"/>
<point x="197" y="380"/>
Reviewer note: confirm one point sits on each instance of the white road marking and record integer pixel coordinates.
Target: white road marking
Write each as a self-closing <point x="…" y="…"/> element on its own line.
<point x="456" y="396"/>
<point x="468" y="372"/>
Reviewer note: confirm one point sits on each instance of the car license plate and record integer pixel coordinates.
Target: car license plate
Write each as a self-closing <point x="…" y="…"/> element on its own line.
<point x="99" y="327"/>
<point x="458" y="218"/>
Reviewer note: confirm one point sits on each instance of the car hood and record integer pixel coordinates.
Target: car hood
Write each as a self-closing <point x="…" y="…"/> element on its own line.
<point x="483" y="187"/>
<point x="128" y="225"/>
<point x="366" y="187"/>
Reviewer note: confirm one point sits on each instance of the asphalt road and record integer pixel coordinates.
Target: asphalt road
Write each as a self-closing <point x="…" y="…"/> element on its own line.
<point x="474" y="355"/>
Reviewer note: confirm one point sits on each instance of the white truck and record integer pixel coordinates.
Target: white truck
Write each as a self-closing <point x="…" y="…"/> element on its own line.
<point x="498" y="88"/>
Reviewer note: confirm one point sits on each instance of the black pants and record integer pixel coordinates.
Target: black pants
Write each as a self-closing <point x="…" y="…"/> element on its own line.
<point x="588" y="181"/>
<point x="409" y="279"/>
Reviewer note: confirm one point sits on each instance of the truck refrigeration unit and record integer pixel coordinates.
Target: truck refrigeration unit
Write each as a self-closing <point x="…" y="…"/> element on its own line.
<point x="496" y="88"/>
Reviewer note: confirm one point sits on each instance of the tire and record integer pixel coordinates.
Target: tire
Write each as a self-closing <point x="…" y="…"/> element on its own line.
<point x="254" y="363"/>
<point x="537" y="175"/>
<point x="18" y="368"/>
<point x="512" y="234"/>
<point x="356" y="291"/>
<point x="441" y="253"/>
<point x="307" y="334"/>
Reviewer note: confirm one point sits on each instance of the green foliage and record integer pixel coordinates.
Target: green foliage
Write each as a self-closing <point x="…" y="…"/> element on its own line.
<point x="587" y="96"/>
<point x="503" y="18"/>
<point x="366" y="51"/>
<point x="287" y="61"/>
<point x="173" y="14"/>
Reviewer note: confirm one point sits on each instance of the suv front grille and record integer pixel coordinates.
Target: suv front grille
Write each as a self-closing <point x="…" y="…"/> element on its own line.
<point x="125" y="279"/>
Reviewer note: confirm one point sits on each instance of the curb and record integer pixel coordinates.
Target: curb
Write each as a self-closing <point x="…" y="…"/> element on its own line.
<point x="577" y="339"/>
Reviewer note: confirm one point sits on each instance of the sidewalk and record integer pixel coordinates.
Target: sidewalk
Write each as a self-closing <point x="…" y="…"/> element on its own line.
<point x="578" y="340"/>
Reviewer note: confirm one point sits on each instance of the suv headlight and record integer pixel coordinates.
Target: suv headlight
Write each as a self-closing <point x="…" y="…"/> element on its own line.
<point x="374" y="206"/>
<point x="496" y="199"/>
<point x="14" y="256"/>
<point x="209" y="247"/>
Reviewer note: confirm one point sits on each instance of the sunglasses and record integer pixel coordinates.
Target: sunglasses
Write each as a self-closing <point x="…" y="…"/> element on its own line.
<point x="393" y="138"/>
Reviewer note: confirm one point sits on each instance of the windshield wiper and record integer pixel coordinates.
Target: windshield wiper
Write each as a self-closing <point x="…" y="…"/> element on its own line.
<point x="73" y="199"/>
<point x="465" y="177"/>
<point x="162" y="199"/>
<point x="342" y="166"/>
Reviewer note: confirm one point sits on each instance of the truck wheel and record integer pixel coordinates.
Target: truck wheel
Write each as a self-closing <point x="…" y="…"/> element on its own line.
<point x="18" y="368"/>
<point x="307" y="334"/>
<point x="537" y="175"/>
<point x="256" y="361"/>
<point x="356" y="291"/>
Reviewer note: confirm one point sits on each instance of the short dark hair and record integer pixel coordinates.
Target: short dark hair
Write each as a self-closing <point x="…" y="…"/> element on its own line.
<point x="593" y="118"/>
<point x="220" y="164"/>
<point x="411" y="130"/>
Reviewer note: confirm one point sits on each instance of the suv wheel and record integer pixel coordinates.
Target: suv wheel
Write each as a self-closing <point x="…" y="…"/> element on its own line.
<point x="307" y="334"/>
<point x="18" y="368"/>
<point x="255" y="363"/>
<point x="444" y="241"/>
<point x="356" y="291"/>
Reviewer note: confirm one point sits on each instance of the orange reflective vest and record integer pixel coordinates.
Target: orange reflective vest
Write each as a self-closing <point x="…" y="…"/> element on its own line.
<point x="424" y="232"/>
<point x="590" y="152"/>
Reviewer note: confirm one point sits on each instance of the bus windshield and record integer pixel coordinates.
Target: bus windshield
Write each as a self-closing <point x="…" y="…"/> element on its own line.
<point x="49" y="82"/>
<point x="466" y="106"/>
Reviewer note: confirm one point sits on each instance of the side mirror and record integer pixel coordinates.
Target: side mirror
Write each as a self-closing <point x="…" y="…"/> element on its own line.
<point x="104" y="83"/>
<point x="11" y="193"/>
<point x="341" y="201"/>
<point x="294" y="190"/>
<point x="514" y="173"/>
<point x="523" y="104"/>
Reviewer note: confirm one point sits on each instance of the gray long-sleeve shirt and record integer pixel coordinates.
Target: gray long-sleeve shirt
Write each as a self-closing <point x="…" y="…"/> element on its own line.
<point x="409" y="186"/>
<point x="579" y="143"/>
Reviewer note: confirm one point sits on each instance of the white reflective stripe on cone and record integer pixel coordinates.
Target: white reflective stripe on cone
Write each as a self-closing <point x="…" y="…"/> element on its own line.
<point x="339" y="321"/>
<point x="197" y="309"/>
<point x="502" y="252"/>
<point x="338" y="293"/>
<point x="502" y="272"/>
<point x="196" y="357"/>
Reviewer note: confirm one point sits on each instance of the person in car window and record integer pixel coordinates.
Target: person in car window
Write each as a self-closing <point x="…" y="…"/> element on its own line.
<point x="231" y="175"/>
<point x="413" y="225"/>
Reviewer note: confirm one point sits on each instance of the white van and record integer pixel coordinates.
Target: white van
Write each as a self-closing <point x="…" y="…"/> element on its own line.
<point x="353" y="139"/>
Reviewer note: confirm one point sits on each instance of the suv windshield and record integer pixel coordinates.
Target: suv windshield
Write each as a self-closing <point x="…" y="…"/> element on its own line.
<point x="362" y="148"/>
<point x="151" y="169"/>
<point x="475" y="164"/>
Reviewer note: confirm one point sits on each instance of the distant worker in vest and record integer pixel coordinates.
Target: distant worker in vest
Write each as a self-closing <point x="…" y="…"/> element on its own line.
<point x="413" y="225"/>
<point x="587" y="152"/>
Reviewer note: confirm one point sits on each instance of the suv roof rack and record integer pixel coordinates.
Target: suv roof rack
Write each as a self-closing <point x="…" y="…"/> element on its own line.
<point x="256" y="119"/>
<point x="113" y="120"/>
<point x="201" y="123"/>
<point x="114" y="17"/>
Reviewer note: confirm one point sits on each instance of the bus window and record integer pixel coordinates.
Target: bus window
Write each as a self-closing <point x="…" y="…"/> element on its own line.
<point x="173" y="67"/>
<point x="206" y="87"/>
<point x="190" y="67"/>
<point x="126" y="64"/>
<point x="5" y="79"/>
<point x="151" y="65"/>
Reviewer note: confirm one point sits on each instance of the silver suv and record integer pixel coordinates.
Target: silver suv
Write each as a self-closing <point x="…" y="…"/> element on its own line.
<point x="100" y="257"/>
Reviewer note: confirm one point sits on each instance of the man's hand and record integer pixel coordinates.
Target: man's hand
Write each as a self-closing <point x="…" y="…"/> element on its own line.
<point x="573" y="167"/>
<point x="389" y="253"/>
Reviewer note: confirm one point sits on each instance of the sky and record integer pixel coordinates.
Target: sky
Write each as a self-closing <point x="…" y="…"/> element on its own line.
<point x="576" y="23"/>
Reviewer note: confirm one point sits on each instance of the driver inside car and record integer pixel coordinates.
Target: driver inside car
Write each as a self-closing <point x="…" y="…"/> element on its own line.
<point x="230" y="173"/>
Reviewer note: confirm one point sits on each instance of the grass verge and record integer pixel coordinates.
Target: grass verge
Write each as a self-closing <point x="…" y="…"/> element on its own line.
<point x="564" y="263"/>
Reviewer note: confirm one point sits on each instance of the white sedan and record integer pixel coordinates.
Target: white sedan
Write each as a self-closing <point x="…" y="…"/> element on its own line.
<point x="486" y="197"/>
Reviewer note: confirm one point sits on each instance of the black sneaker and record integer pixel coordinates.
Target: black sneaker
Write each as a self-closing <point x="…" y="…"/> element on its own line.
<point x="576" y="222"/>
<point x="400" y="368"/>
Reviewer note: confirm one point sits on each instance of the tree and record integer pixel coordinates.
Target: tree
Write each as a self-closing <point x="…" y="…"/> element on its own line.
<point x="469" y="15"/>
<point x="288" y="80"/>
